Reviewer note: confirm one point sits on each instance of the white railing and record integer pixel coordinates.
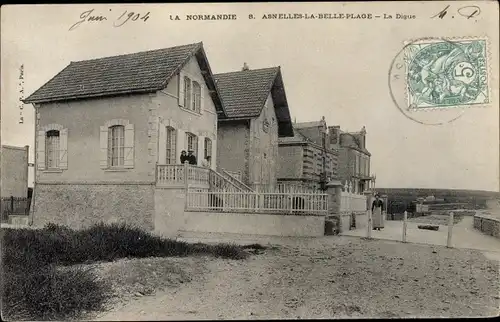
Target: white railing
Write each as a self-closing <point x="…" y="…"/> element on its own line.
<point x="254" y="202"/>
<point x="177" y="174"/>
<point x="198" y="175"/>
<point x="235" y="180"/>
<point x="235" y="174"/>
<point x="285" y="188"/>
<point x="170" y="174"/>
<point x="350" y="202"/>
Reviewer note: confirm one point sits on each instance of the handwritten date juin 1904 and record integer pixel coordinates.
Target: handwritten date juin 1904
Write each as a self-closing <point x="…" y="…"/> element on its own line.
<point x="124" y="17"/>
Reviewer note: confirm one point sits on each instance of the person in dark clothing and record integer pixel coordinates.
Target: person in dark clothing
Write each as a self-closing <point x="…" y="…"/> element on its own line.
<point x="184" y="156"/>
<point x="192" y="158"/>
<point x="377" y="213"/>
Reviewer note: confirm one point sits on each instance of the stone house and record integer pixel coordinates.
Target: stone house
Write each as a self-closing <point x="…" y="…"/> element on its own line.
<point x="354" y="158"/>
<point x="256" y="115"/>
<point x="14" y="171"/>
<point x="306" y="158"/>
<point x="104" y="127"/>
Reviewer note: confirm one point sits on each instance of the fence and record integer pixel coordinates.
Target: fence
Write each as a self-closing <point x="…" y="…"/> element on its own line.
<point x="350" y="202"/>
<point x="285" y="188"/>
<point x="14" y="206"/>
<point x="256" y="202"/>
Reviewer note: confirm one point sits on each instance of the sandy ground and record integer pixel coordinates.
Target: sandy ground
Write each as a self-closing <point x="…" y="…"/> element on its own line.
<point x="327" y="278"/>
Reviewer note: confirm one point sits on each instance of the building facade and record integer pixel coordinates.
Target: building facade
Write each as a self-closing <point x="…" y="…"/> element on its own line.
<point x="353" y="158"/>
<point x="257" y="114"/>
<point x="14" y="171"/>
<point x="100" y="138"/>
<point x="307" y="158"/>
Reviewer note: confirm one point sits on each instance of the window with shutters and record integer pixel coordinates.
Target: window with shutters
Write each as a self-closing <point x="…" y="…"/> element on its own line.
<point x="171" y="145"/>
<point x="52" y="149"/>
<point x="116" y="146"/>
<point x="191" y="93"/>
<point x="196" y="106"/>
<point x="192" y="142"/>
<point x="187" y="93"/>
<point x="208" y="148"/>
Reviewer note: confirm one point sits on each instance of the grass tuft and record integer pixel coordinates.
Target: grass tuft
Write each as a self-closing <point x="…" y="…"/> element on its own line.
<point x="40" y="283"/>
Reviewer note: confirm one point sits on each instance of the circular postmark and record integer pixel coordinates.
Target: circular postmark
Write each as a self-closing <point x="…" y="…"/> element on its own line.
<point x="432" y="80"/>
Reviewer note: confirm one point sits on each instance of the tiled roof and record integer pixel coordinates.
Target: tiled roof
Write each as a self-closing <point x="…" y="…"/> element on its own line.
<point x="146" y="71"/>
<point x="244" y="94"/>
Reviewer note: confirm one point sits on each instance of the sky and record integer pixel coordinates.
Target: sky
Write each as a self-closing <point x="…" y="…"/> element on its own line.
<point x="337" y="68"/>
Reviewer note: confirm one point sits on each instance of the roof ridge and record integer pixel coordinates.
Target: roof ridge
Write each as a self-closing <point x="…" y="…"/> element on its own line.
<point x="246" y="71"/>
<point x="268" y="89"/>
<point x="138" y="52"/>
<point x="199" y="45"/>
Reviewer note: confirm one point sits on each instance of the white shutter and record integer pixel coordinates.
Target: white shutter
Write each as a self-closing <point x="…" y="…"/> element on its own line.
<point x="202" y="97"/>
<point x="103" y="141"/>
<point x="162" y="139"/>
<point x="181" y="89"/>
<point x="40" y="150"/>
<point x="180" y="144"/>
<point x="200" y="156"/>
<point x="129" y="146"/>
<point x="63" y="149"/>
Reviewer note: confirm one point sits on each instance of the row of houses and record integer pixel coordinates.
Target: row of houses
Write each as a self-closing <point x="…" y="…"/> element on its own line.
<point x="110" y="132"/>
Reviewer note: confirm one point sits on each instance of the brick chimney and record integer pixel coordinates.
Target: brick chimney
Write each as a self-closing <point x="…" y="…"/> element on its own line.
<point x="245" y="67"/>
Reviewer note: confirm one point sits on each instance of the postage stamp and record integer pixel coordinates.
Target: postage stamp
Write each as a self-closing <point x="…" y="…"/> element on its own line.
<point x="446" y="74"/>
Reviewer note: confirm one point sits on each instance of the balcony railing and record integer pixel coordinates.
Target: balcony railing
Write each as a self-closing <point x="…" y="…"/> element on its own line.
<point x="175" y="175"/>
<point x="181" y="174"/>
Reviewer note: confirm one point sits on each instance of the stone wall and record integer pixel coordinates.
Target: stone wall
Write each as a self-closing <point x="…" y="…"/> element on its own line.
<point x="14" y="171"/>
<point x="487" y="224"/>
<point x="81" y="205"/>
<point x="254" y="224"/>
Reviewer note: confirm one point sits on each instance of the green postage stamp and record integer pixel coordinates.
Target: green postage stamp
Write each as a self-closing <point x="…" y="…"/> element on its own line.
<point x="446" y="74"/>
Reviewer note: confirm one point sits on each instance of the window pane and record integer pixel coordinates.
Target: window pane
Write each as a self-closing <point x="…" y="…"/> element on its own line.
<point x="171" y="144"/>
<point x="196" y="97"/>
<point x="116" y="145"/>
<point x="52" y="149"/>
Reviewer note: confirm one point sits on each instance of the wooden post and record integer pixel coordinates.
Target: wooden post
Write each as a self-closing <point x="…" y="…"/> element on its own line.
<point x="405" y="218"/>
<point x="369" y="224"/>
<point x="186" y="175"/>
<point x="11" y="204"/>
<point x="450" y="230"/>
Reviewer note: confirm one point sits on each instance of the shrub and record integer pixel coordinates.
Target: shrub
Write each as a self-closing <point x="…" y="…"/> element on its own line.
<point x="35" y="289"/>
<point x="52" y="294"/>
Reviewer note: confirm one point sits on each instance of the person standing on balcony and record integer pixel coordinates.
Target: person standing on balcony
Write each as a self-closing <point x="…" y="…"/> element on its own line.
<point x="206" y="163"/>
<point x="377" y="213"/>
<point x="192" y="158"/>
<point x="184" y="156"/>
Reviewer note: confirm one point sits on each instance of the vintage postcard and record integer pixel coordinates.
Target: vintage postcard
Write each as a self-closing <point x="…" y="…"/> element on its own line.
<point x="250" y="160"/>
